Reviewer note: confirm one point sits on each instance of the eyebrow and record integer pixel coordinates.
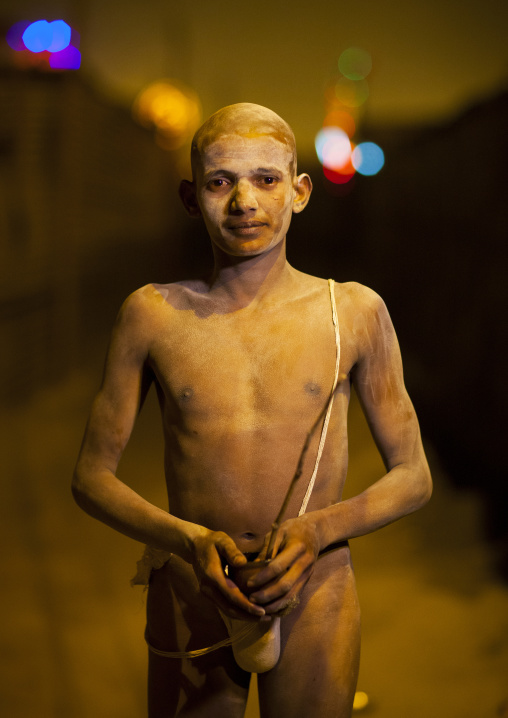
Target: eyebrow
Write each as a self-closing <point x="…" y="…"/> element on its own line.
<point x="268" y="171"/>
<point x="227" y="173"/>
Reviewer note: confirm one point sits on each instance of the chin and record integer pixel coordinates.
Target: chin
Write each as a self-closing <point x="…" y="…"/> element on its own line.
<point x="249" y="249"/>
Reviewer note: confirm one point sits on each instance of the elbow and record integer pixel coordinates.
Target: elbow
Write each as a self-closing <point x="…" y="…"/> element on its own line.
<point x="423" y="488"/>
<point x="77" y="490"/>
<point x="80" y="491"/>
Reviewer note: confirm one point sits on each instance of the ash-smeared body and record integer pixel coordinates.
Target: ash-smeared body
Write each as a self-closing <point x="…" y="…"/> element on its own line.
<point x="243" y="364"/>
<point x="238" y="396"/>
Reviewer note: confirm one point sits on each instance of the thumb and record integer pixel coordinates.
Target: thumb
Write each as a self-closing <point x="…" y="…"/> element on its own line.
<point x="262" y="554"/>
<point x="230" y="551"/>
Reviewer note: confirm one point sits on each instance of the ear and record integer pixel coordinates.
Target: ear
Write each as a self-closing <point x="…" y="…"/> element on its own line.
<point x="302" y="189"/>
<point x="187" y="192"/>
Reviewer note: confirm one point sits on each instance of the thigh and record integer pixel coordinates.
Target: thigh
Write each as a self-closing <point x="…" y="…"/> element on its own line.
<point x="318" y="668"/>
<point x="180" y="618"/>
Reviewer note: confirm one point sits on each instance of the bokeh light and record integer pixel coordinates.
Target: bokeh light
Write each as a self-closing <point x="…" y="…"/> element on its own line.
<point x="68" y="59"/>
<point x="336" y="153"/>
<point x="43" y="35"/>
<point x="44" y="44"/>
<point x="355" y="63"/>
<point x="61" y="36"/>
<point x="338" y="177"/>
<point x="172" y="109"/>
<point x="337" y="149"/>
<point x="361" y="701"/>
<point x="351" y="93"/>
<point x="368" y="158"/>
<point x="332" y="142"/>
<point x="38" y="36"/>
<point x="341" y="119"/>
<point x="14" y="35"/>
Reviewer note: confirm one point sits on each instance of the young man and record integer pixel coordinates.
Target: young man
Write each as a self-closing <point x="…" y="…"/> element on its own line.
<point x="243" y="364"/>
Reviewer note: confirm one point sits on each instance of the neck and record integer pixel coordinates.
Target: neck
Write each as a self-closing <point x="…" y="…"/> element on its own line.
<point x="240" y="281"/>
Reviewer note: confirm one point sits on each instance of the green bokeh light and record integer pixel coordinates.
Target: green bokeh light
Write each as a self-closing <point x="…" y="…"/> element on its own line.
<point x="355" y="63"/>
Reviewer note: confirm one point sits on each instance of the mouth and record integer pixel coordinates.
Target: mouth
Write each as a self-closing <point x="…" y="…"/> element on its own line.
<point x="246" y="224"/>
<point x="245" y="227"/>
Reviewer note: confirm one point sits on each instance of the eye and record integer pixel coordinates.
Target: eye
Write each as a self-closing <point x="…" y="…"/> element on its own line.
<point x="268" y="180"/>
<point x="218" y="183"/>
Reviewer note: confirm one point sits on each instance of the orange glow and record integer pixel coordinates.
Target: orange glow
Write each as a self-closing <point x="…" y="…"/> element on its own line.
<point x="342" y="119"/>
<point x="172" y="109"/>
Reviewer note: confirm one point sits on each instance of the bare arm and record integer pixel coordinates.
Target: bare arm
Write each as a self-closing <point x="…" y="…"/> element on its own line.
<point x="99" y="492"/>
<point x="95" y="486"/>
<point x="407" y="486"/>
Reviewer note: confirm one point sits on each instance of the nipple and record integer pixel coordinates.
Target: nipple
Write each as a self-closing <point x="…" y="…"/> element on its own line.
<point x="312" y="388"/>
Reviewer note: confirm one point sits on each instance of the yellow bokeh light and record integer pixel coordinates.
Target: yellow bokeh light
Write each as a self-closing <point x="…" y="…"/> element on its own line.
<point x="171" y="108"/>
<point x="361" y="701"/>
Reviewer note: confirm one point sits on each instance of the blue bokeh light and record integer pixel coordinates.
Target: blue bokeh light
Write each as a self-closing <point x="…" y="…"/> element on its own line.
<point x="38" y="36"/>
<point x="61" y="36"/>
<point x="56" y="39"/>
<point x="368" y="158"/>
<point x="43" y="35"/>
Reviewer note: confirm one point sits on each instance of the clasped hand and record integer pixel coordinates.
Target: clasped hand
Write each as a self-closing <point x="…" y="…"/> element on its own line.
<point x="276" y="586"/>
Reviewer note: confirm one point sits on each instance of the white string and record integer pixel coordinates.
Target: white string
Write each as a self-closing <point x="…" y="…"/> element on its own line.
<point x="335" y="320"/>
<point x="238" y="636"/>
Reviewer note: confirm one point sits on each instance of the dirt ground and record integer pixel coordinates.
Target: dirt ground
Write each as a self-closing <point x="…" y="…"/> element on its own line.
<point x="435" y="617"/>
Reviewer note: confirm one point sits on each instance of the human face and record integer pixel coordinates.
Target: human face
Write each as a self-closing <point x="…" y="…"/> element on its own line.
<point x="245" y="189"/>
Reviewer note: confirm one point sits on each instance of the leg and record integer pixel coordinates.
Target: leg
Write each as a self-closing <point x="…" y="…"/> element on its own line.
<point x="320" y="653"/>
<point x="179" y="618"/>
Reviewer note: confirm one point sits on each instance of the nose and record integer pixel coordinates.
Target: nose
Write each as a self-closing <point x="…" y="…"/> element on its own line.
<point x="244" y="197"/>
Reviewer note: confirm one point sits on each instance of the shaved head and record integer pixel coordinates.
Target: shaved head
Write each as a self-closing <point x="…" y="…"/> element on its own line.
<point x="243" y="119"/>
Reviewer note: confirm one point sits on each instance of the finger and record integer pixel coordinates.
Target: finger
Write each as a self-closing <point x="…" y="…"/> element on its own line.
<point x="221" y="589"/>
<point x="227" y="607"/>
<point x="230" y="551"/>
<point x="221" y="586"/>
<point x="281" y="604"/>
<point x="277" y="566"/>
<point x="262" y="554"/>
<point x="284" y="584"/>
<point x="231" y="600"/>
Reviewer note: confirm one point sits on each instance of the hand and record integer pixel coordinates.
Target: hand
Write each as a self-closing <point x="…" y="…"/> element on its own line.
<point x="209" y="548"/>
<point x="296" y="550"/>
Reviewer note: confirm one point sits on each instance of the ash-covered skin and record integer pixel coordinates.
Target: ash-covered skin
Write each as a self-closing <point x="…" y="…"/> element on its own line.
<point x="242" y="363"/>
<point x="246" y="120"/>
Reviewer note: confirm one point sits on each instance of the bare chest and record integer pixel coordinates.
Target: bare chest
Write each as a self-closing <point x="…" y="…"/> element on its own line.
<point x="254" y="368"/>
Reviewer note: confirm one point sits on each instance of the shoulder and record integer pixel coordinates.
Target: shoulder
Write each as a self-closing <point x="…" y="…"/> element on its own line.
<point x="356" y="293"/>
<point x="142" y="300"/>
<point x="363" y="313"/>
<point x="355" y="298"/>
<point x="138" y="317"/>
<point x="144" y="304"/>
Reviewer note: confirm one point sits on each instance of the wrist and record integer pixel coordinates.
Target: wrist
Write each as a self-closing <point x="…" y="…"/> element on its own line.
<point x="191" y="536"/>
<point x="319" y="521"/>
